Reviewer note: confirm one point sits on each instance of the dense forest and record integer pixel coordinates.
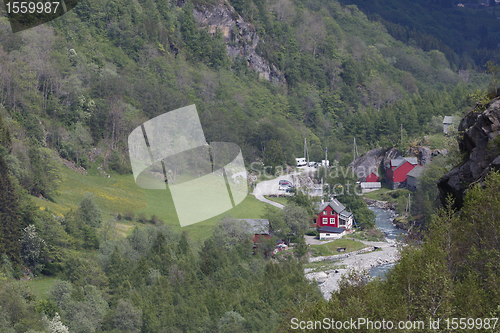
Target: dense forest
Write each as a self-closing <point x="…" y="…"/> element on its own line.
<point x="468" y="35"/>
<point x="91" y="76"/>
<point x="76" y="87"/>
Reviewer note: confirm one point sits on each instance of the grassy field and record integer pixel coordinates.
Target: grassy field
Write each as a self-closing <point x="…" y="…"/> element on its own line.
<point x="281" y="200"/>
<point x="39" y="286"/>
<point x="120" y="194"/>
<point x="378" y="194"/>
<point x="372" y="235"/>
<point x="330" y="248"/>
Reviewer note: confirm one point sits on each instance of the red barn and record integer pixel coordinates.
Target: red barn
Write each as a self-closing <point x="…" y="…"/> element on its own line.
<point x="397" y="173"/>
<point x="372" y="177"/>
<point x="334" y="214"/>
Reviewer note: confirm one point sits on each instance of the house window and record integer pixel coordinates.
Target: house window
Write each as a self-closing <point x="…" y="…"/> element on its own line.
<point x="328" y="234"/>
<point x="342" y="222"/>
<point x="325" y="212"/>
<point x="325" y="220"/>
<point x="332" y="220"/>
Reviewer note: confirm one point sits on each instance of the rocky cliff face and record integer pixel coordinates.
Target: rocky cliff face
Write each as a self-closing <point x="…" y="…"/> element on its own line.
<point x="368" y="163"/>
<point x="240" y="37"/>
<point x="481" y="144"/>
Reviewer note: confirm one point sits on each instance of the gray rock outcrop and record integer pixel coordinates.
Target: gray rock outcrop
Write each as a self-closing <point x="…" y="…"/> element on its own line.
<point x="368" y="163"/>
<point x="241" y="38"/>
<point x="425" y="155"/>
<point x="389" y="155"/>
<point x="481" y="145"/>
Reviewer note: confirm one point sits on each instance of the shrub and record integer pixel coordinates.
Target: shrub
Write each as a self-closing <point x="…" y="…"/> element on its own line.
<point x="129" y="216"/>
<point x="142" y="218"/>
<point x="312" y="233"/>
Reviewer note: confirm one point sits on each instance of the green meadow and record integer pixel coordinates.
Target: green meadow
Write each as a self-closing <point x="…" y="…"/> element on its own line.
<point x="40" y="286"/>
<point x="120" y="194"/>
<point x="330" y="248"/>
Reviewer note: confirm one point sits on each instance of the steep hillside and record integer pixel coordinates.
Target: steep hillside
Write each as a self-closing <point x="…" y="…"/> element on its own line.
<point x="264" y="75"/>
<point x="467" y="32"/>
<point x="479" y="141"/>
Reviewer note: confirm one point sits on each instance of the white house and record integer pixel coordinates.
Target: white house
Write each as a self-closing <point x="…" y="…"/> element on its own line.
<point x="326" y="233"/>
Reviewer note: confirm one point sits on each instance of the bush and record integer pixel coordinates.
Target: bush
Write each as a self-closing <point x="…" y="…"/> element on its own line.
<point x="129" y="216"/>
<point x="156" y="220"/>
<point x="142" y="218"/>
<point x="116" y="163"/>
<point x="312" y="233"/>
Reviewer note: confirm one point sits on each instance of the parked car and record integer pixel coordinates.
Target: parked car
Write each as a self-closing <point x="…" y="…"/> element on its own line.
<point x="284" y="187"/>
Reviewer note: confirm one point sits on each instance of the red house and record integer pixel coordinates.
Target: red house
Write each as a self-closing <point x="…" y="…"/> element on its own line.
<point x="396" y="174"/>
<point x="260" y="229"/>
<point x="334" y="214"/>
<point x="372" y="177"/>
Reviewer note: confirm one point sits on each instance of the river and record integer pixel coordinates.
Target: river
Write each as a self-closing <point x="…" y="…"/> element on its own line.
<point x="383" y="220"/>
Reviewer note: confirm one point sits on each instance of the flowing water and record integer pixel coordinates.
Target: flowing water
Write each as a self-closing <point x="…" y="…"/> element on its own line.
<point x="383" y="220"/>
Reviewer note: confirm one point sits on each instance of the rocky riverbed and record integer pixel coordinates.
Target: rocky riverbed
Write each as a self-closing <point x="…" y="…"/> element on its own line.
<point x="335" y="266"/>
<point x="329" y="279"/>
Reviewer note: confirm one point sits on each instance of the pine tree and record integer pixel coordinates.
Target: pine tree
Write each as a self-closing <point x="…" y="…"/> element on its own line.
<point x="10" y="225"/>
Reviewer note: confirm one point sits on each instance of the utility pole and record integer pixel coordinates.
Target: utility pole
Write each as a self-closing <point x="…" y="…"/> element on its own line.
<point x="408" y="206"/>
<point x="355" y="152"/>
<point x="306" y="151"/>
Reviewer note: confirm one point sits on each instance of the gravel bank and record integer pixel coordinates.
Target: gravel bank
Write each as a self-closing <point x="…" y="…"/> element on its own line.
<point x="328" y="280"/>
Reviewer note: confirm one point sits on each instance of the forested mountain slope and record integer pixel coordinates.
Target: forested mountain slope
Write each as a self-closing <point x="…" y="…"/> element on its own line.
<point x="91" y="76"/>
<point x="76" y="87"/>
<point x="467" y="34"/>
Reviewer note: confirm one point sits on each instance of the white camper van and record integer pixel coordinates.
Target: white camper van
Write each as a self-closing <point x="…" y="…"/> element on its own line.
<point x="301" y="162"/>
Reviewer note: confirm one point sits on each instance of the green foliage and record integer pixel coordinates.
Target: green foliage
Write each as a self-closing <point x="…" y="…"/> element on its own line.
<point x="452" y="273"/>
<point x="83" y="223"/>
<point x="89" y="213"/>
<point x="421" y="24"/>
<point x="291" y="221"/>
<point x="426" y="197"/>
<point x="5" y="137"/>
<point x="10" y="224"/>
<point x="6" y="269"/>
<point x="83" y="309"/>
<point x="494" y="70"/>
<point x="125" y="317"/>
<point x="304" y="201"/>
<point x="231" y="322"/>
<point x="18" y="309"/>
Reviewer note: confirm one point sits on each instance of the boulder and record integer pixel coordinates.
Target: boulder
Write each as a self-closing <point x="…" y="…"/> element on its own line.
<point x="321" y="277"/>
<point x="424" y="155"/>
